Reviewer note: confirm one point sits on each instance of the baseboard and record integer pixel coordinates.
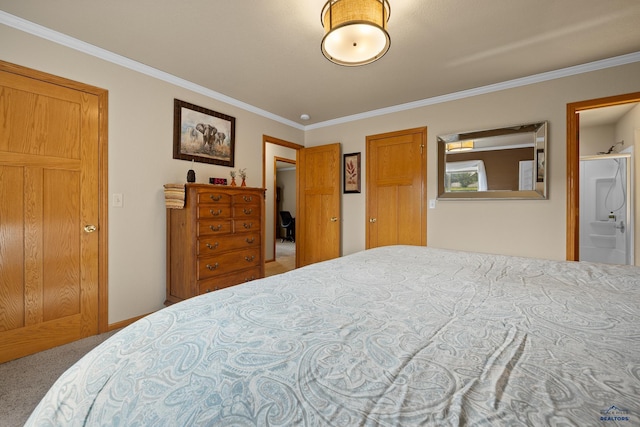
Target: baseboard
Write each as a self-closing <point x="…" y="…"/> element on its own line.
<point x="121" y="324"/>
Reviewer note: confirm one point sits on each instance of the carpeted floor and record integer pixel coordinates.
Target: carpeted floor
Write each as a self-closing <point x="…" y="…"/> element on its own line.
<point x="285" y="259"/>
<point x="24" y="381"/>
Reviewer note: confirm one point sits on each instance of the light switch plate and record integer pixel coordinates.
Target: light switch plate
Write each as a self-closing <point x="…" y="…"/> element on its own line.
<point x="117" y="201"/>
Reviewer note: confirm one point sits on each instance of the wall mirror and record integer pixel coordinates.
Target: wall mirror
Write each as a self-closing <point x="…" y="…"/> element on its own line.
<point x="504" y="163"/>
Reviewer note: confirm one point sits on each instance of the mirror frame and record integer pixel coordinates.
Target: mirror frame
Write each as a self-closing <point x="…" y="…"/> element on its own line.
<point x="539" y="141"/>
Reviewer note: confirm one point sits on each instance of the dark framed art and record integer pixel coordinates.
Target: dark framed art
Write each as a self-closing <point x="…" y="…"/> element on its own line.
<point x="203" y="135"/>
<point x="351" y="168"/>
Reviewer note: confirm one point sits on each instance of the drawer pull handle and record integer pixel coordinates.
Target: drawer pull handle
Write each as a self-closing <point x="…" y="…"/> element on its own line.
<point x="250" y="258"/>
<point x="215" y="213"/>
<point x="247" y="225"/>
<point x="247" y="211"/>
<point x="248" y="279"/>
<point x="216" y="227"/>
<point x="209" y="290"/>
<point x="212" y="267"/>
<point x="216" y="197"/>
<point x="247" y="198"/>
<point x="250" y="240"/>
<point x="214" y="246"/>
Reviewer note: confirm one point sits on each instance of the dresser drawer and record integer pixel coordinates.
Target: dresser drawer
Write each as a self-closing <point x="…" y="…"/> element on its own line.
<point x="246" y="211"/>
<point x="246" y="199"/>
<point x="214" y="211"/>
<point x="206" y="228"/>
<point x="243" y="225"/>
<point x="211" y="245"/>
<point x="210" y="285"/>
<point x="207" y="197"/>
<point x="227" y="262"/>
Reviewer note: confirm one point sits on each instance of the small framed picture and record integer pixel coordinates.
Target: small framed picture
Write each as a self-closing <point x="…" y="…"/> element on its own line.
<point x="202" y="135"/>
<point x="351" y="171"/>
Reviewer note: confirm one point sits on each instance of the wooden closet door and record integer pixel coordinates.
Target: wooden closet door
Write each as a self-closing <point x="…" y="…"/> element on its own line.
<point x="318" y="204"/>
<point x="396" y="188"/>
<point x="48" y="211"/>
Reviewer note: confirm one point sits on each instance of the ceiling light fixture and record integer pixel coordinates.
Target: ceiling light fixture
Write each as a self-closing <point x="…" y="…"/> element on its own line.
<point x="460" y="146"/>
<point x="355" y="31"/>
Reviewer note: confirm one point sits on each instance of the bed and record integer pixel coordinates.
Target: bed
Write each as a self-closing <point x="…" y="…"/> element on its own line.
<point x="392" y="336"/>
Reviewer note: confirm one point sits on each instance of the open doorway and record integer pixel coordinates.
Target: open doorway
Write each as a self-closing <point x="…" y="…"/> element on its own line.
<point x="607" y="140"/>
<point x="607" y="143"/>
<point x="279" y="158"/>
<point x="285" y="214"/>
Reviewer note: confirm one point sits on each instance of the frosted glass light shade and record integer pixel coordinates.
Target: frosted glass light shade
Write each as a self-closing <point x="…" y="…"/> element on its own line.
<point x="355" y="31"/>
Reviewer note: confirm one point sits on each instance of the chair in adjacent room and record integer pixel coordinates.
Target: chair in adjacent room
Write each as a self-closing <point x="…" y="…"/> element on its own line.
<point x="289" y="223"/>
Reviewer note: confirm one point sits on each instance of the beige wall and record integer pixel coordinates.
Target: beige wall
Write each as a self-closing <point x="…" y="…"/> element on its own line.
<point x="533" y="228"/>
<point x="140" y="162"/>
<point x="596" y="139"/>
<point x="287" y="182"/>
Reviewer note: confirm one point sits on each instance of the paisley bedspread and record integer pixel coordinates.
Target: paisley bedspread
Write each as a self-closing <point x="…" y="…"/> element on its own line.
<point x="393" y="336"/>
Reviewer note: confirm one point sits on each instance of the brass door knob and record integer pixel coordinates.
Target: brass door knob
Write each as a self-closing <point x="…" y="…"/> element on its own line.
<point x="90" y="228"/>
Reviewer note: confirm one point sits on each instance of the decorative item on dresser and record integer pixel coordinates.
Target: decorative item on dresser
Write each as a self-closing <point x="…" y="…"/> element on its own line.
<point x="215" y="241"/>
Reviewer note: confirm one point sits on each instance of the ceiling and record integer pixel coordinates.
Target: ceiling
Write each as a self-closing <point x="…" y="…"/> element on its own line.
<point x="266" y="54"/>
<point x="605" y="115"/>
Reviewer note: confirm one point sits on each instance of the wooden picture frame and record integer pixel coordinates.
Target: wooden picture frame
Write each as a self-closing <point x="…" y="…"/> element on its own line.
<point x="351" y="173"/>
<point x="203" y="135"/>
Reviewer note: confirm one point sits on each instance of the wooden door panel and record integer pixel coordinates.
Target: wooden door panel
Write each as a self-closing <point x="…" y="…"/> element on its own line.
<point x="33" y="245"/>
<point x="386" y="235"/>
<point x="37" y="114"/>
<point x="409" y="212"/>
<point x="396" y="188"/>
<point x="11" y="248"/>
<point x="61" y="243"/>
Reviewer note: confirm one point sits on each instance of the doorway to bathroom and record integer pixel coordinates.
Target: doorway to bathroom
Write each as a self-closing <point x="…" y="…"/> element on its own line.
<point x="602" y="127"/>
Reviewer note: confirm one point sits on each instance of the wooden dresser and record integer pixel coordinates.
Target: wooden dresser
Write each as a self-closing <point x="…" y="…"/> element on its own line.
<point x="215" y="241"/>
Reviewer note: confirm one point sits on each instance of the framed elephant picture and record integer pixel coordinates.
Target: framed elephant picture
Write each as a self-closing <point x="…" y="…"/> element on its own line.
<point x="202" y="135"/>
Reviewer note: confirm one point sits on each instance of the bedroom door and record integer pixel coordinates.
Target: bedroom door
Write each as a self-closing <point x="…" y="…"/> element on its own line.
<point x="396" y="188"/>
<point x="48" y="214"/>
<point x="318" y="217"/>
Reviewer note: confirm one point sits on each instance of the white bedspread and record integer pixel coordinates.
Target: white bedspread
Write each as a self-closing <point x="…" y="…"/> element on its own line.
<point x="394" y="336"/>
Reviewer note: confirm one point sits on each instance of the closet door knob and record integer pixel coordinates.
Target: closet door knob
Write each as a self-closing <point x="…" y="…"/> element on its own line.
<point x="90" y="228"/>
<point x="372" y="220"/>
<point x="334" y="219"/>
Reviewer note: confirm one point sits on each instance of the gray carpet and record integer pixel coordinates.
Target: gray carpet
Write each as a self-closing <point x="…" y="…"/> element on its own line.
<point x="284" y="249"/>
<point x="24" y="381"/>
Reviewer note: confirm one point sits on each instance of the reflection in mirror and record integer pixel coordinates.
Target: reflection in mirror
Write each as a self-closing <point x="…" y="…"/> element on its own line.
<point x="505" y="163"/>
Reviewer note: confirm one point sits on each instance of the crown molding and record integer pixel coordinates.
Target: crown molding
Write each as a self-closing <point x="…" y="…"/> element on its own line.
<point x="509" y="84"/>
<point x="89" y="49"/>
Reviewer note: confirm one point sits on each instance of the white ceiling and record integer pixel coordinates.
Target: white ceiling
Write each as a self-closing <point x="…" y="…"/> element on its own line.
<point x="267" y="53"/>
